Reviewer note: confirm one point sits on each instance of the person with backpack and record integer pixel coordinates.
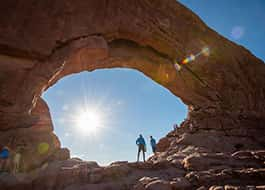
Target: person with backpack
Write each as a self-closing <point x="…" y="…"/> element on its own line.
<point x="140" y="142"/>
<point x="4" y="158"/>
<point x="153" y="144"/>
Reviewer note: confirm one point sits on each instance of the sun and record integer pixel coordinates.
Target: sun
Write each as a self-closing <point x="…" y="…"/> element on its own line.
<point x="89" y="121"/>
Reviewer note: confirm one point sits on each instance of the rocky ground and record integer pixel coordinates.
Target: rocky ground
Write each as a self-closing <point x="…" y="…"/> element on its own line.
<point x="179" y="167"/>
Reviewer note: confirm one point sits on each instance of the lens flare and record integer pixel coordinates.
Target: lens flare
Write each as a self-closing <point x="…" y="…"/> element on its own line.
<point x="186" y="60"/>
<point x="189" y="59"/>
<point x="237" y="32"/>
<point x="177" y="66"/>
<point x="192" y="57"/>
<point x="43" y="148"/>
<point x="205" y="51"/>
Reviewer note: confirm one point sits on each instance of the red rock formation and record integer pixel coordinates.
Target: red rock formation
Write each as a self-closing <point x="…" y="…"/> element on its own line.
<point x="31" y="139"/>
<point x="42" y="41"/>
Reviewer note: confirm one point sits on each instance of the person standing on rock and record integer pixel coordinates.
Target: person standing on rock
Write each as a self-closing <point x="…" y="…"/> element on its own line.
<point x="153" y="144"/>
<point x="140" y="142"/>
<point x="17" y="160"/>
<point x="4" y="159"/>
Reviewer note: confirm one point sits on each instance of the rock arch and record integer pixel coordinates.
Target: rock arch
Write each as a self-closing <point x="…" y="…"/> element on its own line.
<point x="42" y="41"/>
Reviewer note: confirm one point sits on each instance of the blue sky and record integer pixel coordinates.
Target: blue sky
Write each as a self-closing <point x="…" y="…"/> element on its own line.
<point x="241" y="21"/>
<point x="128" y="103"/>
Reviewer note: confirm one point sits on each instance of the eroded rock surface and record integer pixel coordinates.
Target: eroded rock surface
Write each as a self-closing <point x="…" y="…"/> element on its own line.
<point x="195" y="171"/>
<point x="219" y="146"/>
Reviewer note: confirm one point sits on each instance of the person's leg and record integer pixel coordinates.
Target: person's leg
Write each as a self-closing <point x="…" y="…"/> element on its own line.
<point x="138" y="155"/>
<point x="8" y="165"/>
<point x="14" y="168"/>
<point x="17" y="162"/>
<point x="18" y="165"/>
<point x="154" y="149"/>
<point x="143" y="150"/>
<point x="1" y="164"/>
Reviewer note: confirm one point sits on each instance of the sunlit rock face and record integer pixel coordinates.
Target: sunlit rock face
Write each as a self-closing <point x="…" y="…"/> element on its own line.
<point x="42" y="41"/>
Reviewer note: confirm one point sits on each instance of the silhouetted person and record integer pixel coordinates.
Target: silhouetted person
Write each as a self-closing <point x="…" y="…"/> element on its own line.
<point x="17" y="160"/>
<point x="4" y="158"/>
<point x="153" y="144"/>
<point x="140" y="142"/>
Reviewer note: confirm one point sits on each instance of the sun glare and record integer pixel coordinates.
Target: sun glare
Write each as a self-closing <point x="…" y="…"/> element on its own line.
<point x="89" y="121"/>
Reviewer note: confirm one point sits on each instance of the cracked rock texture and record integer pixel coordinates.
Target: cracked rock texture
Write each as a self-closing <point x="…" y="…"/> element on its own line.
<point x="219" y="146"/>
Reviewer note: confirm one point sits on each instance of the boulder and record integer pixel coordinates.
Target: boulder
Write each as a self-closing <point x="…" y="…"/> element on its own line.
<point x="205" y="161"/>
<point x="180" y="183"/>
<point x="158" y="185"/>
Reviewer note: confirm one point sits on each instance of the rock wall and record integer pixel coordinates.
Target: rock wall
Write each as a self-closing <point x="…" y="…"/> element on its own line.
<point x="37" y="143"/>
<point x="42" y="41"/>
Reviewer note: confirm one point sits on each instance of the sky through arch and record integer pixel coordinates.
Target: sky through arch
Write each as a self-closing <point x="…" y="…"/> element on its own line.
<point x="125" y="102"/>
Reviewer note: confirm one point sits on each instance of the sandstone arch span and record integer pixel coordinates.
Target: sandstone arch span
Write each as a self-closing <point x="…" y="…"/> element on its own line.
<point x="42" y="41"/>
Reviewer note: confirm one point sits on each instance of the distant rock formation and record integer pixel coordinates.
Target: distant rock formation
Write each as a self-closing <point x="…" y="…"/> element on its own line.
<point x="219" y="146"/>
